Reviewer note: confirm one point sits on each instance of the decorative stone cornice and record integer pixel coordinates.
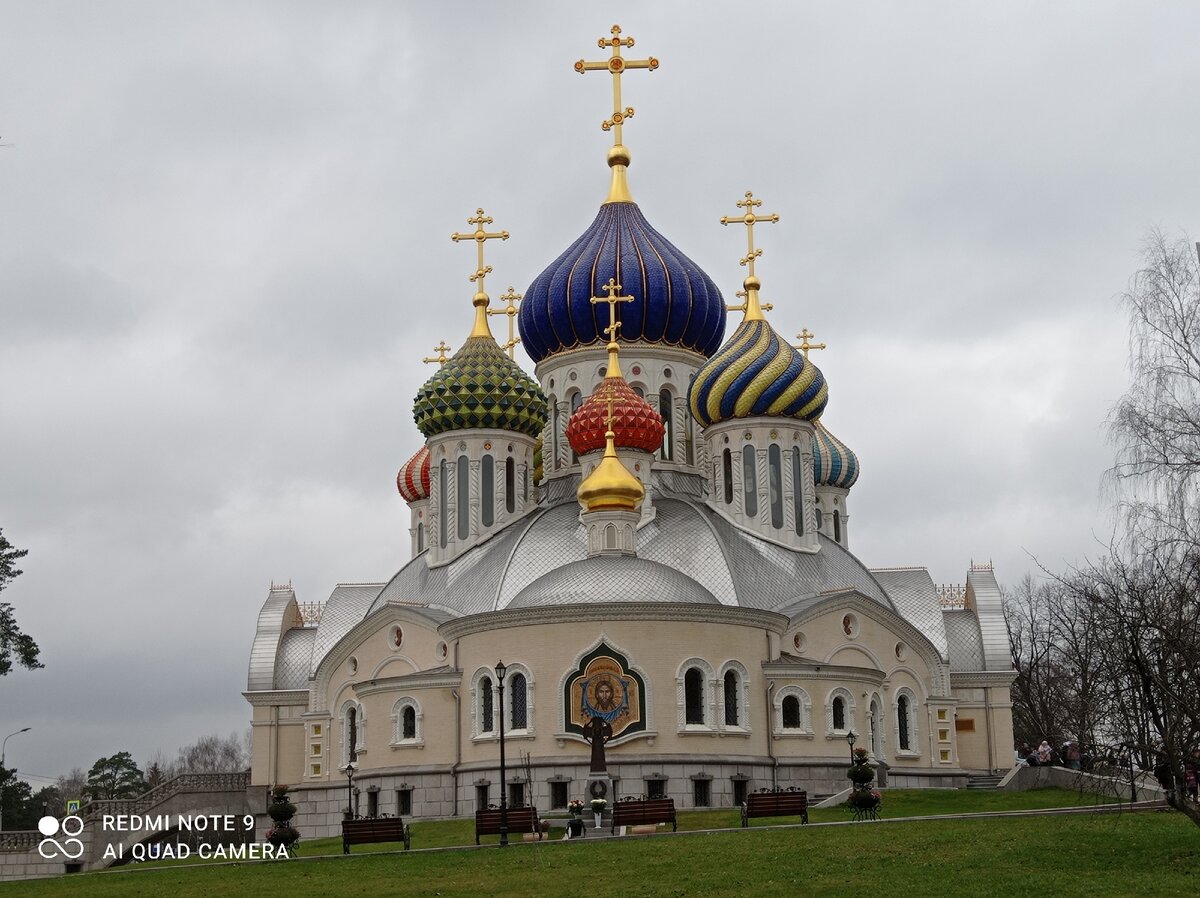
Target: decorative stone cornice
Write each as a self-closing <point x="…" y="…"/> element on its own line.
<point x="613" y="611"/>
<point x="968" y="678"/>
<point x="816" y="670"/>
<point x="436" y="679"/>
<point x="277" y="697"/>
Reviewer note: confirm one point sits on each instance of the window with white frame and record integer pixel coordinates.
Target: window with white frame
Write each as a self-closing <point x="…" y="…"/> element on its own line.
<point x="518" y="700"/>
<point x="906" y="722"/>
<point x="793" y="712"/>
<point x="483" y="701"/>
<point x="406" y="722"/>
<point x="735" y="696"/>
<point x="354" y="732"/>
<point x="693" y="692"/>
<point x="839" y="712"/>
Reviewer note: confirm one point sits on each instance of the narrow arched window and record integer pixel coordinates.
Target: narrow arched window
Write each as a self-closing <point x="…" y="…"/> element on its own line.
<point x="664" y="409"/>
<point x="791" y="712"/>
<point x="798" y="490"/>
<point x="408" y="723"/>
<point x="556" y="435"/>
<point x="352" y="733"/>
<point x="732" y="711"/>
<point x="839" y="713"/>
<point x="576" y="401"/>
<point x="775" y="485"/>
<point x="693" y="696"/>
<point x="525" y="484"/>
<point x="487" y="491"/>
<point x="463" y="512"/>
<point x="903" y="710"/>
<point x="610" y="537"/>
<point x="727" y="472"/>
<point x="519" y="702"/>
<point x="749" y="481"/>
<point x="837" y="526"/>
<point x="689" y="439"/>
<point x="420" y="537"/>
<point x="510" y="485"/>
<point x="443" y="503"/>
<point x="486" y="706"/>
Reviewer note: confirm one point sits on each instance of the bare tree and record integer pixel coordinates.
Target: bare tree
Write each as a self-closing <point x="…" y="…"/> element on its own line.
<point x="213" y="754"/>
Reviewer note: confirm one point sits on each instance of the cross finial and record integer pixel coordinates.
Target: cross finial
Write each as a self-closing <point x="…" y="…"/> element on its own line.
<point x="615" y="65"/>
<point x="750" y="219"/>
<point x="744" y="306"/>
<point x="751" y="284"/>
<point x="612" y="288"/>
<point x="480" y="236"/>
<point x="512" y="298"/>
<point x="804" y="346"/>
<point x="441" y="349"/>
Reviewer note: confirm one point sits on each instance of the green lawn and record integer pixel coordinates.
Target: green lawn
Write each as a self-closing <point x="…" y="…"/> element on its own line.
<point x="1090" y="856"/>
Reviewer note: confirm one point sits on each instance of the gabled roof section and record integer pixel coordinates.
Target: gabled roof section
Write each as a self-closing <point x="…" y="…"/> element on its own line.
<point x="985" y="598"/>
<point x="965" y="641"/>
<point x="279" y="613"/>
<point x="347" y="605"/>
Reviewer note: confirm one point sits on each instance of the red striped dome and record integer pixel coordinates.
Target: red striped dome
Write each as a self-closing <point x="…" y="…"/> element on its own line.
<point x="413" y="479"/>
<point x="636" y="423"/>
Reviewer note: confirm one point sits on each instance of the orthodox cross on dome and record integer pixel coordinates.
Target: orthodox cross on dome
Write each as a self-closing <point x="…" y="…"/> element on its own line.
<point x="804" y="346"/>
<point x="616" y="65"/>
<point x="441" y="349"/>
<point x="480" y="236"/>
<point x="749" y="218"/>
<point x="512" y="299"/>
<point x="612" y="288"/>
<point x="745" y="305"/>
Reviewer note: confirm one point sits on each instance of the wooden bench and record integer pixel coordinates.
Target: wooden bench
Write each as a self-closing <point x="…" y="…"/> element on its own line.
<point x="644" y="811"/>
<point x="520" y="820"/>
<point x="362" y="830"/>
<point x="775" y="804"/>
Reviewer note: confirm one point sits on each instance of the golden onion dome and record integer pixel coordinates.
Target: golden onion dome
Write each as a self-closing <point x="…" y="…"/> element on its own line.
<point x="610" y="485"/>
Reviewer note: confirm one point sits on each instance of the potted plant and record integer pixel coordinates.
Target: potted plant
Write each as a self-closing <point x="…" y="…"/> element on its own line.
<point x="575" y="824"/>
<point x="282" y="834"/>
<point x="863" y="801"/>
<point x="598" y="806"/>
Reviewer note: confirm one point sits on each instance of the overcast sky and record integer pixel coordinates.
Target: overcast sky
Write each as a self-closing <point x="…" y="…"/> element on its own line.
<point x="224" y="250"/>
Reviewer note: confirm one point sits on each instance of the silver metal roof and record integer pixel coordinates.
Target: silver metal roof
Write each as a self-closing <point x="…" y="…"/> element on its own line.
<point x="292" y="661"/>
<point x="966" y="643"/>
<point x="614" y="578"/>
<point x="983" y="595"/>
<point x="347" y="605"/>
<point x="272" y="620"/>
<point x="914" y="594"/>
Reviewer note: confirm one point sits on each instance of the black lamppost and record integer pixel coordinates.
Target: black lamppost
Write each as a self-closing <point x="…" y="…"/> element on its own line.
<point x="350" y="790"/>
<point x="1132" y="784"/>
<point x="851" y="737"/>
<point x="3" y="749"/>
<point x="501" y="669"/>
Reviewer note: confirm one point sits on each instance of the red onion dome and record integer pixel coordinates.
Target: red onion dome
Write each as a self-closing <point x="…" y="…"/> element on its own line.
<point x="636" y="423"/>
<point x="413" y="479"/>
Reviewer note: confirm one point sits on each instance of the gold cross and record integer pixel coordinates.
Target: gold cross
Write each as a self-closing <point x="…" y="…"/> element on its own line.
<point x="479" y="235"/>
<point x="763" y="306"/>
<point x="804" y="346"/>
<point x="616" y="64"/>
<point x="510" y="310"/>
<point x="749" y="219"/>
<point x="441" y="349"/>
<point x="612" y="288"/>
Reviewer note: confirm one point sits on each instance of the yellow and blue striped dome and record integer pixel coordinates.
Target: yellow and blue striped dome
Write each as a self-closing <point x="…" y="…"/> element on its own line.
<point x="674" y="302"/>
<point x="833" y="462"/>
<point x="757" y="373"/>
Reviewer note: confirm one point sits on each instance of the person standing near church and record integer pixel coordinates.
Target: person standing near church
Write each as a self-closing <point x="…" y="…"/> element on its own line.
<point x="1043" y="753"/>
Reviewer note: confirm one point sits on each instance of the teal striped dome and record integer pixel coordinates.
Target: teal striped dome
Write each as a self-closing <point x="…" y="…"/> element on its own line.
<point x="833" y="462"/>
<point x="757" y="373"/>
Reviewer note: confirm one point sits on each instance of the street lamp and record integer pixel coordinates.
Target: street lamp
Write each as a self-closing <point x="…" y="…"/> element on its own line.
<point x="1132" y="784"/>
<point x="501" y="670"/>
<point x="349" y="768"/>
<point x="3" y="746"/>
<point x="851" y="737"/>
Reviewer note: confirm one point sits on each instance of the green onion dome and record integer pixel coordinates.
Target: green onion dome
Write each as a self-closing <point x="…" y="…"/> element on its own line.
<point x="757" y="373"/>
<point x="833" y="462"/>
<point x="480" y="387"/>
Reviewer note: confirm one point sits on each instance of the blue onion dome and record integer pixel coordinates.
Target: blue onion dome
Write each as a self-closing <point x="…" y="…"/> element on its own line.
<point x="480" y="387"/>
<point x="674" y="302"/>
<point x="833" y="462"/>
<point x="757" y="372"/>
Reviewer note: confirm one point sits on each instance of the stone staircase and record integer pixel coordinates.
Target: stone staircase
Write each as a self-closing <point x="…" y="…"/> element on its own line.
<point x="983" y="781"/>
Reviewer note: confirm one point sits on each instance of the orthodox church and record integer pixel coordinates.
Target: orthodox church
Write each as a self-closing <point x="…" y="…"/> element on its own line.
<point x="653" y="529"/>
